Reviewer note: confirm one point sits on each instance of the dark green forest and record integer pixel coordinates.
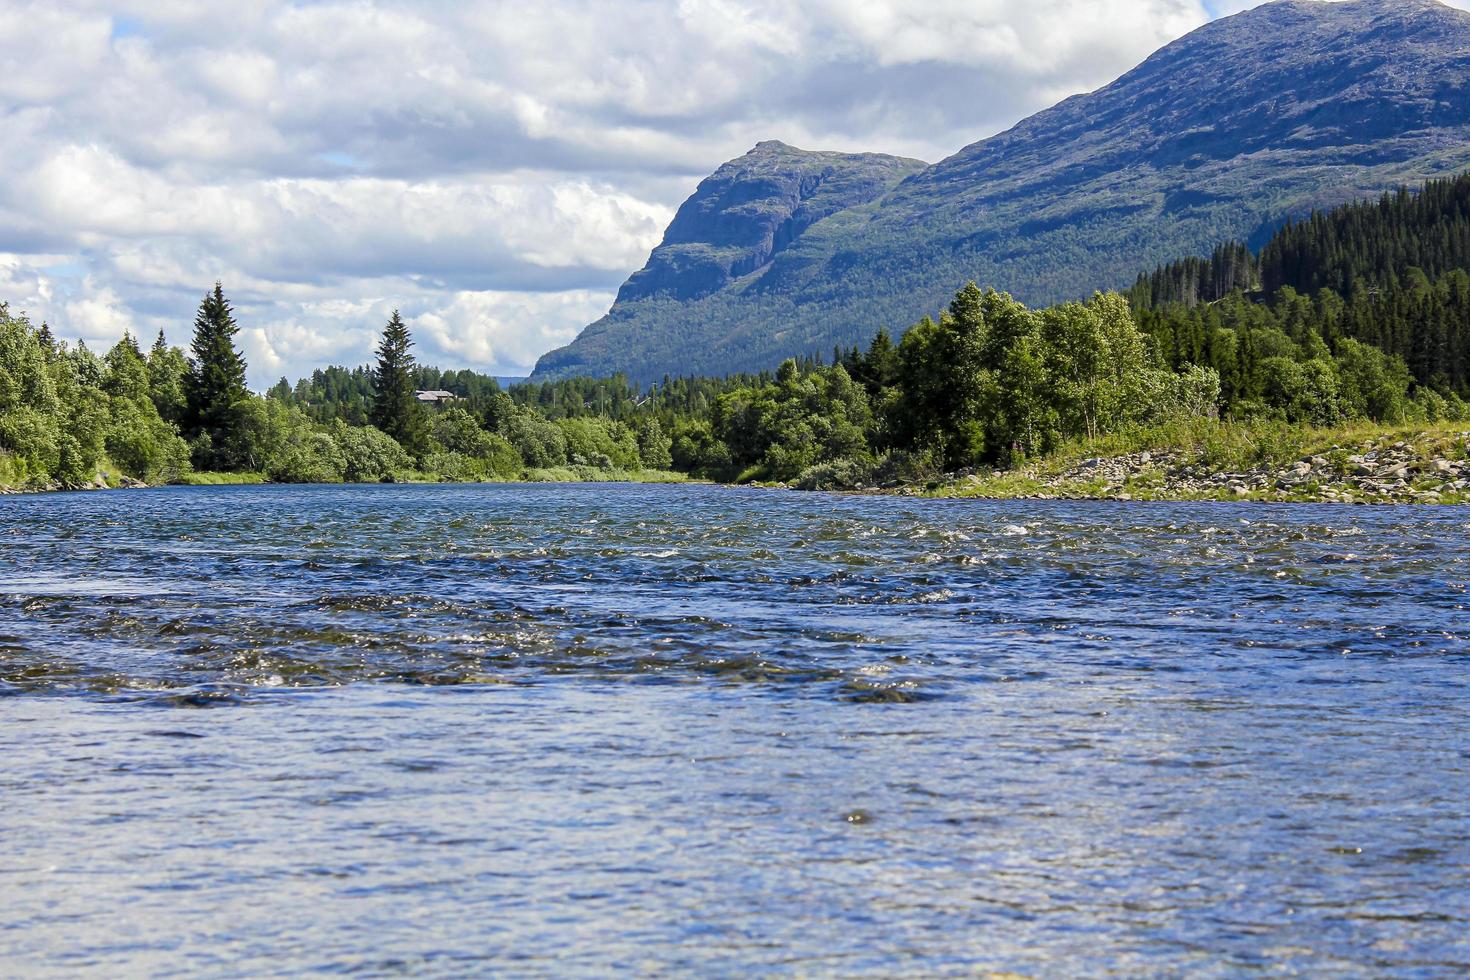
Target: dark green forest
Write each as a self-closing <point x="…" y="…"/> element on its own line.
<point x="1360" y="313"/>
<point x="1389" y="273"/>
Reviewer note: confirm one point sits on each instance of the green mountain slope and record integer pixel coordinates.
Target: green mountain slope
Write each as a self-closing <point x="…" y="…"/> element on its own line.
<point x="1221" y="135"/>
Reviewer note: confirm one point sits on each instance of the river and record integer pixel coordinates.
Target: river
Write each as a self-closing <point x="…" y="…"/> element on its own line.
<point x="580" y="730"/>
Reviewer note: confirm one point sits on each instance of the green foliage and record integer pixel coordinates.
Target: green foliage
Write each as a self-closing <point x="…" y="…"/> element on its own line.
<point x="541" y="443"/>
<point x="1373" y="241"/>
<point x="143" y="445"/>
<point x="991" y="381"/>
<point x="655" y="450"/>
<point x="241" y="478"/>
<point x="944" y="373"/>
<point x="369" y="455"/>
<point x="31" y="411"/>
<point x="308" y="457"/>
<point x="214" y="389"/>
<point x="697" y="450"/>
<point x="136" y="436"/>
<point x="1373" y="385"/>
<point x="1390" y="273"/>
<point x="839" y="474"/>
<point x="465" y="451"/>
<point x="1100" y="367"/>
<point x="456" y="430"/>
<point x="600" y="443"/>
<point x="396" y="411"/>
<point x="803" y="418"/>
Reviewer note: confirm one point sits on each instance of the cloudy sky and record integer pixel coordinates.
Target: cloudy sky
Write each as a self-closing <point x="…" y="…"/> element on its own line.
<point x="494" y="169"/>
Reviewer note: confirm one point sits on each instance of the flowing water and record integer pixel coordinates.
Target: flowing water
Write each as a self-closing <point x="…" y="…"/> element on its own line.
<point x="580" y="730"/>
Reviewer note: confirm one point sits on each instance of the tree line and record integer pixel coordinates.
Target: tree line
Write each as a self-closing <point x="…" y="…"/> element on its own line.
<point x="1350" y="249"/>
<point x="67" y="414"/>
<point x="988" y="381"/>
<point x="1390" y="274"/>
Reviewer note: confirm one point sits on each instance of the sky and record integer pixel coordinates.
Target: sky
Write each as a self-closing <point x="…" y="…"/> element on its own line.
<point x="492" y="169"/>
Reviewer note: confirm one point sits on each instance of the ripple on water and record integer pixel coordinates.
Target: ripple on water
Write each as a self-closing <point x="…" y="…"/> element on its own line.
<point x="750" y="589"/>
<point x="852" y="733"/>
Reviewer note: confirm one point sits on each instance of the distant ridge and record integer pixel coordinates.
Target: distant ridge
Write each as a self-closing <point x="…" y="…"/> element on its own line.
<point x="1221" y="135"/>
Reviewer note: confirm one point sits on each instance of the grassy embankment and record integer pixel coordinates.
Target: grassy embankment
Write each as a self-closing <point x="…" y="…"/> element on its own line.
<point x="1244" y="461"/>
<point x="1189" y="461"/>
<point x="13" y="480"/>
<point x="220" y="479"/>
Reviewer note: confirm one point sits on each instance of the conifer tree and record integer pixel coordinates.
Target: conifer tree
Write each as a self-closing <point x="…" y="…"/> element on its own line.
<point x="168" y="371"/>
<point x="214" y="388"/>
<point x="395" y="409"/>
<point x="126" y="371"/>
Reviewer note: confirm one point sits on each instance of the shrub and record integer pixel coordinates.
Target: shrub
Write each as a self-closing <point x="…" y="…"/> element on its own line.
<point x="313" y="457"/>
<point x="908" y="466"/>
<point x="457" y="467"/>
<point x="369" y="455"/>
<point x="840" y="474"/>
<point x="600" y="443"/>
<point x="539" y="442"/>
<point x="655" y="449"/>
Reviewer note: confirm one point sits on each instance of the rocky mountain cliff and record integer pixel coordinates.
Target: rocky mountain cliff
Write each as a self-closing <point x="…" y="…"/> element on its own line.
<point x="1223" y="134"/>
<point x="750" y="209"/>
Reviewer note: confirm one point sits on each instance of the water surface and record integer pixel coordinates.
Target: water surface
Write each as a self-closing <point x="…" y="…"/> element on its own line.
<point x="557" y="730"/>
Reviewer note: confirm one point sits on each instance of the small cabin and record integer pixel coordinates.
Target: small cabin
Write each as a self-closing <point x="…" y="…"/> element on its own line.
<point x="436" y="397"/>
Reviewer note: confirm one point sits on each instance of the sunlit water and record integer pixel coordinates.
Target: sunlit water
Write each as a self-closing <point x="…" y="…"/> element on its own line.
<point x="558" y="730"/>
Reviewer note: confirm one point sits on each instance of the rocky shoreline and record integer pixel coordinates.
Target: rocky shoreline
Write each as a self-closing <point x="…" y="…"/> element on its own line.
<point x="1372" y="473"/>
<point x="56" y="486"/>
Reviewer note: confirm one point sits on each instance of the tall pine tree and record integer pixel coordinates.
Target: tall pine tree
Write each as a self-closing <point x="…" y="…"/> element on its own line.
<point x="214" y="389"/>
<point x="396" y="410"/>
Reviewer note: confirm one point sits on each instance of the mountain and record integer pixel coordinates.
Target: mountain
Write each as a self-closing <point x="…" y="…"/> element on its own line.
<point x="1221" y="135"/>
<point x="753" y="208"/>
<point x="738" y="221"/>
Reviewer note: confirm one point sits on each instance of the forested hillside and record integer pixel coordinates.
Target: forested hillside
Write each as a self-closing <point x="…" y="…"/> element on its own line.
<point x="1220" y="136"/>
<point x="1360" y="245"/>
<point x="1389" y="273"/>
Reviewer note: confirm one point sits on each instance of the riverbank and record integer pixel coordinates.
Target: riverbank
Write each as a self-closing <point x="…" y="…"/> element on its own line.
<point x="111" y="480"/>
<point x="1219" y="462"/>
<point x="1366" y="465"/>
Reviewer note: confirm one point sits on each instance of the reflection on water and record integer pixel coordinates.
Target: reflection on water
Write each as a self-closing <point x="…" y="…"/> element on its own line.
<point x="654" y="729"/>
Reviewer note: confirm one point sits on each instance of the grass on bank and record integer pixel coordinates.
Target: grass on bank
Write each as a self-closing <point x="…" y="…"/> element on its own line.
<point x="588" y="474"/>
<point x="1214" y="448"/>
<point x="560" y="474"/>
<point x="1230" y="447"/>
<point x="11" y="478"/>
<point x="220" y="479"/>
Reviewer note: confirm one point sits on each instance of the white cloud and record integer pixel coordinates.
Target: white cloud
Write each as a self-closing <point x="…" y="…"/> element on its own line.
<point x="99" y="314"/>
<point x="493" y="168"/>
<point x="48" y="52"/>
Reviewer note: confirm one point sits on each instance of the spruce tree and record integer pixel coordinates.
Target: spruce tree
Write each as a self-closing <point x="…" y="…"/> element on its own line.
<point x="214" y="388"/>
<point x="168" y="371"/>
<point x="396" y="410"/>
